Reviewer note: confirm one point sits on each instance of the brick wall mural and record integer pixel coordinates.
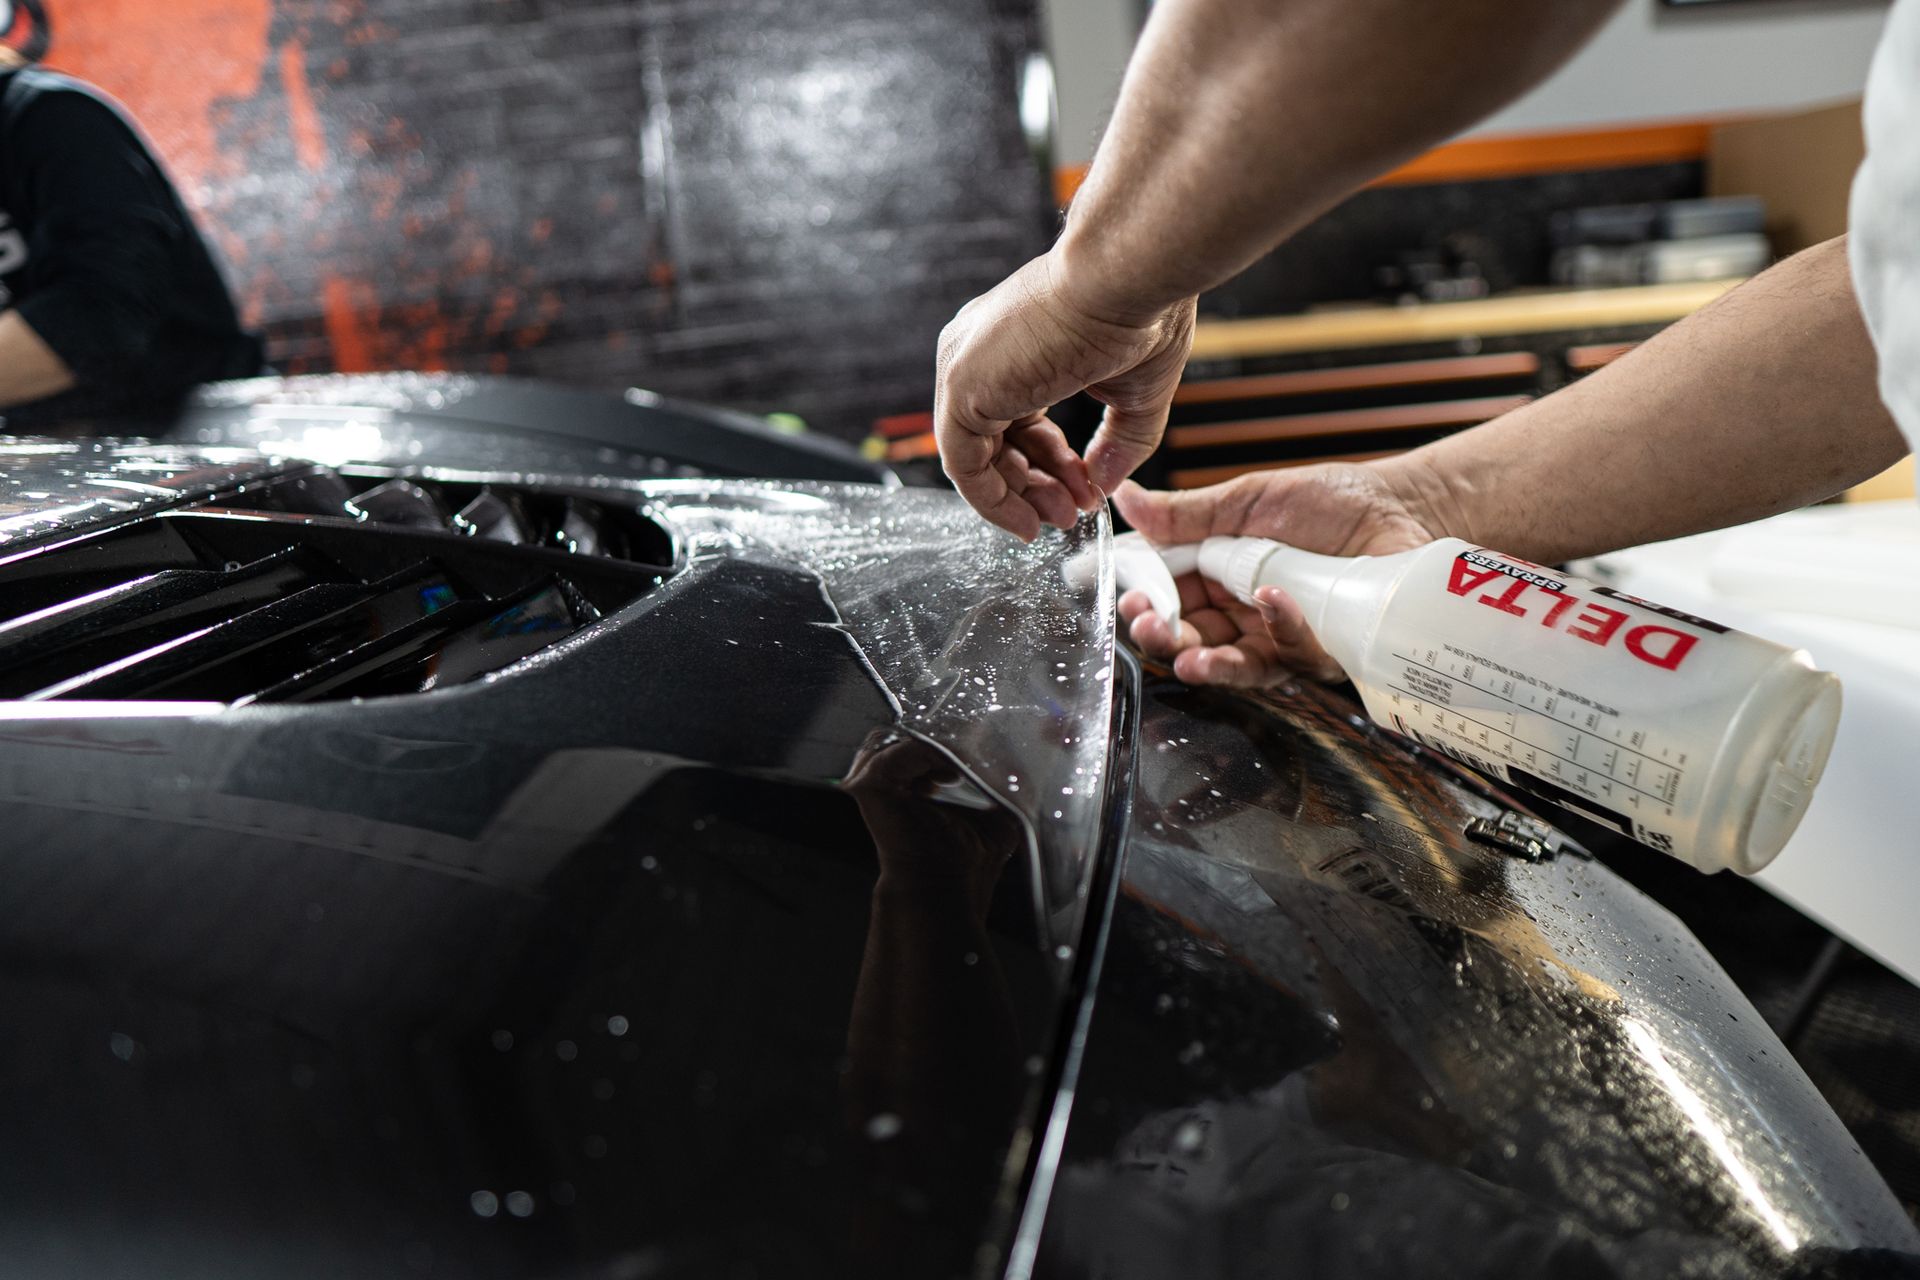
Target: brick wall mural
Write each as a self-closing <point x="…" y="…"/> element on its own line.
<point x="754" y="202"/>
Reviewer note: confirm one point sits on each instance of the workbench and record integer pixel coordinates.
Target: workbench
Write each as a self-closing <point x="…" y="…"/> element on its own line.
<point x="1386" y="325"/>
<point x="1362" y="381"/>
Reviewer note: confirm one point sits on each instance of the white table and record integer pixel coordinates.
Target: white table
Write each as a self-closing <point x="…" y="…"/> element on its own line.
<point x="1854" y="864"/>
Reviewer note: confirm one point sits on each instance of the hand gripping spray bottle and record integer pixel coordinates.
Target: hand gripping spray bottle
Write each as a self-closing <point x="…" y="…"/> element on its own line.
<point x="1695" y="739"/>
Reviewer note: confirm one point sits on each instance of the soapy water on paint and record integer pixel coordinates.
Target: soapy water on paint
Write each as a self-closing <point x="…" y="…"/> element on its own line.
<point x="1001" y="653"/>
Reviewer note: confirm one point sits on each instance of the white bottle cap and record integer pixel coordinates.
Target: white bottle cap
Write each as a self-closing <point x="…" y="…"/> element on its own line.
<point x="1761" y="786"/>
<point x="1797" y="764"/>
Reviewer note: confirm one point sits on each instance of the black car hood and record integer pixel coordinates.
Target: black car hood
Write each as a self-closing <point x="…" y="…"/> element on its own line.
<point x="845" y="904"/>
<point x="647" y="948"/>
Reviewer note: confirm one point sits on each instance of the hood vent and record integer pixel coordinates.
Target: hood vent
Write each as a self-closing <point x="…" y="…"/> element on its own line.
<point x="523" y="515"/>
<point x="318" y="586"/>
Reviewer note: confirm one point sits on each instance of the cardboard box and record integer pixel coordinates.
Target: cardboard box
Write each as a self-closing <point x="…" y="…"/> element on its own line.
<point x="1802" y="164"/>
<point x="1895" y="482"/>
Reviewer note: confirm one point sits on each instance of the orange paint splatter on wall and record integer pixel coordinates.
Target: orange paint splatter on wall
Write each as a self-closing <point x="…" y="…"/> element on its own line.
<point x="431" y="334"/>
<point x="505" y="303"/>
<point x="352" y="312"/>
<point x="173" y="65"/>
<point x="309" y="138"/>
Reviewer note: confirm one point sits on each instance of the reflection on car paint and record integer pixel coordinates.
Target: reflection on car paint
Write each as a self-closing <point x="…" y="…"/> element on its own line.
<point x="350" y="974"/>
<point x="1465" y="1063"/>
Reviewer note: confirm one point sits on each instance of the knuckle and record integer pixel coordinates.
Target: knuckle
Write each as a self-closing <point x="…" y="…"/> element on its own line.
<point x="1128" y="429"/>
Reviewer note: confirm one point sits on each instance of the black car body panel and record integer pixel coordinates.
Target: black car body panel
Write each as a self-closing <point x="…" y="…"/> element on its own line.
<point x="1334" y="1037"/>
<point x="842" y="903"/>
<point x="501" y="424"/>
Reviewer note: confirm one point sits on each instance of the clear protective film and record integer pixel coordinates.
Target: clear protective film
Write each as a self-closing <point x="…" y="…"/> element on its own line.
<point x="49" y="485"/>
<point x="1000" y="653"/>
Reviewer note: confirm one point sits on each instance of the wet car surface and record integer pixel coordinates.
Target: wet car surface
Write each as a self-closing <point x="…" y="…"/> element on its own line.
<point x="819" y="892"/>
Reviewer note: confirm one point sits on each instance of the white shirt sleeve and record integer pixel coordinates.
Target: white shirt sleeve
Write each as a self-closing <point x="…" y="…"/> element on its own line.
<point x="1884" y="231"/>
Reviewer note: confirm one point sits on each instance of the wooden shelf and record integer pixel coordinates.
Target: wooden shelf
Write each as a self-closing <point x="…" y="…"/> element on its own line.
<point x="1344" y="422"/>
<point x="1361" y="377"/>
<point x="1386" y="326"/>
<point x="1200" y="477"/>
<point x="1587" y="359"/>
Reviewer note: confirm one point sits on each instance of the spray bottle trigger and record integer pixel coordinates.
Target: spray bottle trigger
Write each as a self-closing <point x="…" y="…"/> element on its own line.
<point x="1138" y="566"/>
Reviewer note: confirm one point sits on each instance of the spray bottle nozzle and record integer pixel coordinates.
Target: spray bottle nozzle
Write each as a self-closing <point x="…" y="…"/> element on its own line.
<point x="1234" y="563"/>
<point x="1138" y="565"/>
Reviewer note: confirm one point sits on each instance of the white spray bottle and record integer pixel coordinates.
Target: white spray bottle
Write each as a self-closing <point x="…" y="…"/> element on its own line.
<point x="1698" y="740"/>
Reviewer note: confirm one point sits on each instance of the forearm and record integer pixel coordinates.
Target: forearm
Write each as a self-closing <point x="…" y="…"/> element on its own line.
<point x="1762" y="402"/>
<point x="29" y="369"/>
<point x="1241" y="120"/>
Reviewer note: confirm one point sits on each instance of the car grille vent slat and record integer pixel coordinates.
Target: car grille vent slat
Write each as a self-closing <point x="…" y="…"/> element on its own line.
<point x="317" y="587"/>
<point x="399" y="502"/>
<point x="517" y="514"/>
<point x="146" y="675"/>
<point x="61" y="643"/>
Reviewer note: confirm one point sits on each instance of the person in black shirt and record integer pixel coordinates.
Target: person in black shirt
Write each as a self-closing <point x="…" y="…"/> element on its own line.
<point x="114" y="309"/>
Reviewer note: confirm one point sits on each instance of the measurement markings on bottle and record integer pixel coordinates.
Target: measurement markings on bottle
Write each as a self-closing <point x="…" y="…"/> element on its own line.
<point x="1599" y="761"/>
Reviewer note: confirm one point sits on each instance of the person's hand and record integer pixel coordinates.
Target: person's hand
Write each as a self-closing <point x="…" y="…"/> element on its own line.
<point x="1333" y="508"/>
<point x="1012" y="354"/>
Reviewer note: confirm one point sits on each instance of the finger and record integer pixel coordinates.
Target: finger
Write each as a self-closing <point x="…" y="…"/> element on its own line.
<point x="1216" y="628"/>
<point x="1127" y="437"/>
<point x="1047" y="449"/>
<point x="1132" y="604"/>
<point x="1295" y="646"/>
<point x="1049" y="498"/>
<point x="1171" y="519"/>
<point x="1137" y="401"/>
<point x="885" y="759"/>
<point x="1012" y="513"/>
<point x="1013" y="468"/>
<point x="985" y="489"/>
<point x="1195" y="593"/>
<point x="1037" y="489"/>
<point x="1234" y="666"/>
<point x="968" y="446"/>
<point x="1285" y="620"/>
<point x="1152" y="636"/>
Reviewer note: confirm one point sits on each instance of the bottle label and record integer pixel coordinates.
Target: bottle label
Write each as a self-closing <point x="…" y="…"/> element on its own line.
<point x="1578" y="797"/>
<point x="1526" y="594"/>
<point x="1563" y="712"/>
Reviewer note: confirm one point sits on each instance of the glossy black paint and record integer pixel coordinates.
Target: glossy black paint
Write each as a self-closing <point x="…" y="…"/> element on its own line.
<point x="544" y="421"/>
<point x="719" y="976"/>
<point x="670" y="952"/>
<point x="1333" y="1037"/>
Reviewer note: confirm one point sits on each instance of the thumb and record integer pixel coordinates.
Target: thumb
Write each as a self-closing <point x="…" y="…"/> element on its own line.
<point x="1171" y="519"/>
<point x="1126" y="438"/>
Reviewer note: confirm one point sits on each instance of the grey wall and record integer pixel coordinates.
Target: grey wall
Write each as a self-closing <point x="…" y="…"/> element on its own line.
<point x="1649" y="63"/>
<point x="1653" y="63"/>
<point x="1089" y="41"/>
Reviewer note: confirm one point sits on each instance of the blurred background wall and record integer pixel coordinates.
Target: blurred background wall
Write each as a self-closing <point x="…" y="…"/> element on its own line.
<point x="1651" y="62"/>
<point x="770" y="205"/>
<point x="1631" y="118"/>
